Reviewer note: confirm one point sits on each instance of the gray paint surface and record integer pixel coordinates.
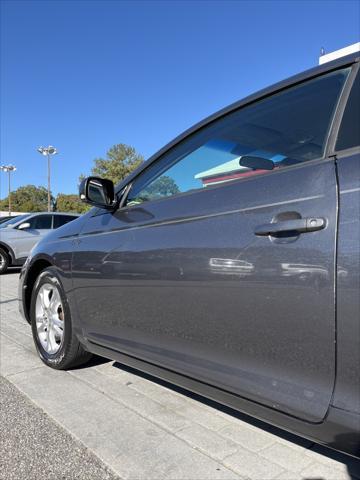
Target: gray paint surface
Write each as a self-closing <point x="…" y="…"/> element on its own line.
<point x="347" y="393"/>
<point x="264" y="331"/>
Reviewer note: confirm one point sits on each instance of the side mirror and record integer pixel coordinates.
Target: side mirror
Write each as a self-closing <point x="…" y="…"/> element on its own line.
<point x="98" y="192"/>
<point x="256" y="163"/>
<point x="24" y="226"/>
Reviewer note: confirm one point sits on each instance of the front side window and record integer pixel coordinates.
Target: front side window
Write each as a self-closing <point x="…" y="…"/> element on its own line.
<point x="41" y="222"/>
<point x="12" y="221"/>
<point x="286" y="128"/>
<point x="60" y="220"/>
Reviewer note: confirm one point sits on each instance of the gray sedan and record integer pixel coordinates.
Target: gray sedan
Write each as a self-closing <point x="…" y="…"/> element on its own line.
<point x="228" y="263"/>
<point x="19" y="234"/>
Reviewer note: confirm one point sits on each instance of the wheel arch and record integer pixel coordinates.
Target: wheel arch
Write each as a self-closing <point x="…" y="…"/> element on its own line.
<point x="9" y="251"/>
<point x="34" y="271"/>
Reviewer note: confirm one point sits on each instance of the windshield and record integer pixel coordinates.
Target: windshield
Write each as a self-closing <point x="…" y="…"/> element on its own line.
<point x="19" y="218"/>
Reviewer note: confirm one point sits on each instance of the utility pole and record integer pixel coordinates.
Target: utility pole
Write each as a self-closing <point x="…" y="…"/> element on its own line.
<point x="8" y="169"/>
<point x="47" y="152"/>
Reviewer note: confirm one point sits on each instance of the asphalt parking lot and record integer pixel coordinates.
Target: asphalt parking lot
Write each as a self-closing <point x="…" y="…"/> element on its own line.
<point x="117" y="422"/>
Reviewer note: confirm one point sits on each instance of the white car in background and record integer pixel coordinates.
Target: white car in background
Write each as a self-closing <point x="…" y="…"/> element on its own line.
<point x="18" y="235"/>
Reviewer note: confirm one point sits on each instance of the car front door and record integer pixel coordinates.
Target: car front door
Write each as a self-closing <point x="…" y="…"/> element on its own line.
<point x="39" y="226"/>
<point x="225" y="272"/>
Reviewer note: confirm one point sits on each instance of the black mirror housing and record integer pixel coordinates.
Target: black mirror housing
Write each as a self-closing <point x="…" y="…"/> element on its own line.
<point x="98" y="192"/>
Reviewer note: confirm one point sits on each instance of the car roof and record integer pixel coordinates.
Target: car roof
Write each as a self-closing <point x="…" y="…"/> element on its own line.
<point x="347" y="60"/>
<point x="54" y="213"/>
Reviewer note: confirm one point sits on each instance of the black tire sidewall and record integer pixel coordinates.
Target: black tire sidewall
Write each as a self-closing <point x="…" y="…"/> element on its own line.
<point x="55" y="360"/>
<point x="7" y="261"/>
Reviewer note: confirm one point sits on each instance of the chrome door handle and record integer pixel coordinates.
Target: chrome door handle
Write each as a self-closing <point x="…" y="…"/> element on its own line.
<point x="301" y="225"/>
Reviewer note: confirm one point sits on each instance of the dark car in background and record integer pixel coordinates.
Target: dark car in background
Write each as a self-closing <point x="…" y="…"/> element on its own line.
<point x="228" y="263"/>
<point x="20" y="233"/>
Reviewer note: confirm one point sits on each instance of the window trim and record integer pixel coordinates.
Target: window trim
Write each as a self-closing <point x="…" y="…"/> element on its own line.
<point x="347" y="152"/>
<point x="339" y="113"/>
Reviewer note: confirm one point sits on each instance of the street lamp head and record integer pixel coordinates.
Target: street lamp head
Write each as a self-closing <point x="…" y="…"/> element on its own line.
<point x="8" y="168"/>
<point x="50" y="150"/>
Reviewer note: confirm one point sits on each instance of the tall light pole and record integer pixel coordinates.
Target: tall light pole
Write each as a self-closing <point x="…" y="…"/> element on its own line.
<point x="47" y="152"/>
<point x="8" y="169"/>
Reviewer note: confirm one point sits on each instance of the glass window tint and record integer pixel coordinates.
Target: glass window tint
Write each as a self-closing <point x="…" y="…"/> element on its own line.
<point x="11" y="221"/>
<point x="41" y="222"/>
<point x="349" y="133"/>
<point x="60" y="220"/>
<point x="287" y="128"/>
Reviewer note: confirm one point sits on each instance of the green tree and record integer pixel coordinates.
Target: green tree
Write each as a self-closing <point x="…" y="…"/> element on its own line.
<point x="120" y="161"/>
<point x="163" y="186"/>
<point x="27" y="198"/>
<point x="70" y="203"/>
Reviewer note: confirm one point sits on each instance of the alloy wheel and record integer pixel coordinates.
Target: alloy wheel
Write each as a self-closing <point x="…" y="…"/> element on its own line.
<point x="49" y="316"/>
<point x="2" y="261"/>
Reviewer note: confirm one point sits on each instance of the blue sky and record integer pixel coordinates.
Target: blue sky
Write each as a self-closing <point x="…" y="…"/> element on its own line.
<point x="84" y="75"/>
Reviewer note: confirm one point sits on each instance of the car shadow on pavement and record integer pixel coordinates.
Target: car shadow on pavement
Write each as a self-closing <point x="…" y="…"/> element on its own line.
<point x="94" y="361"/>
<point x="352" y="464"/>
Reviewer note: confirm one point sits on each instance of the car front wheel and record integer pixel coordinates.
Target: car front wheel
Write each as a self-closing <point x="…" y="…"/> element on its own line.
<point x="52" y="328"/>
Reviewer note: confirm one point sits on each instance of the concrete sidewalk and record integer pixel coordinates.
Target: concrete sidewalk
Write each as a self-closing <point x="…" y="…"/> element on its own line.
<point x="145" y="430"/>
<point x="34" y="447"/>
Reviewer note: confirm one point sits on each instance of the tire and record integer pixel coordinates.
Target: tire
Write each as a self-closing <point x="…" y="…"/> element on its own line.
<point x="52" y="329"/>
<point x="4" y="260"/>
